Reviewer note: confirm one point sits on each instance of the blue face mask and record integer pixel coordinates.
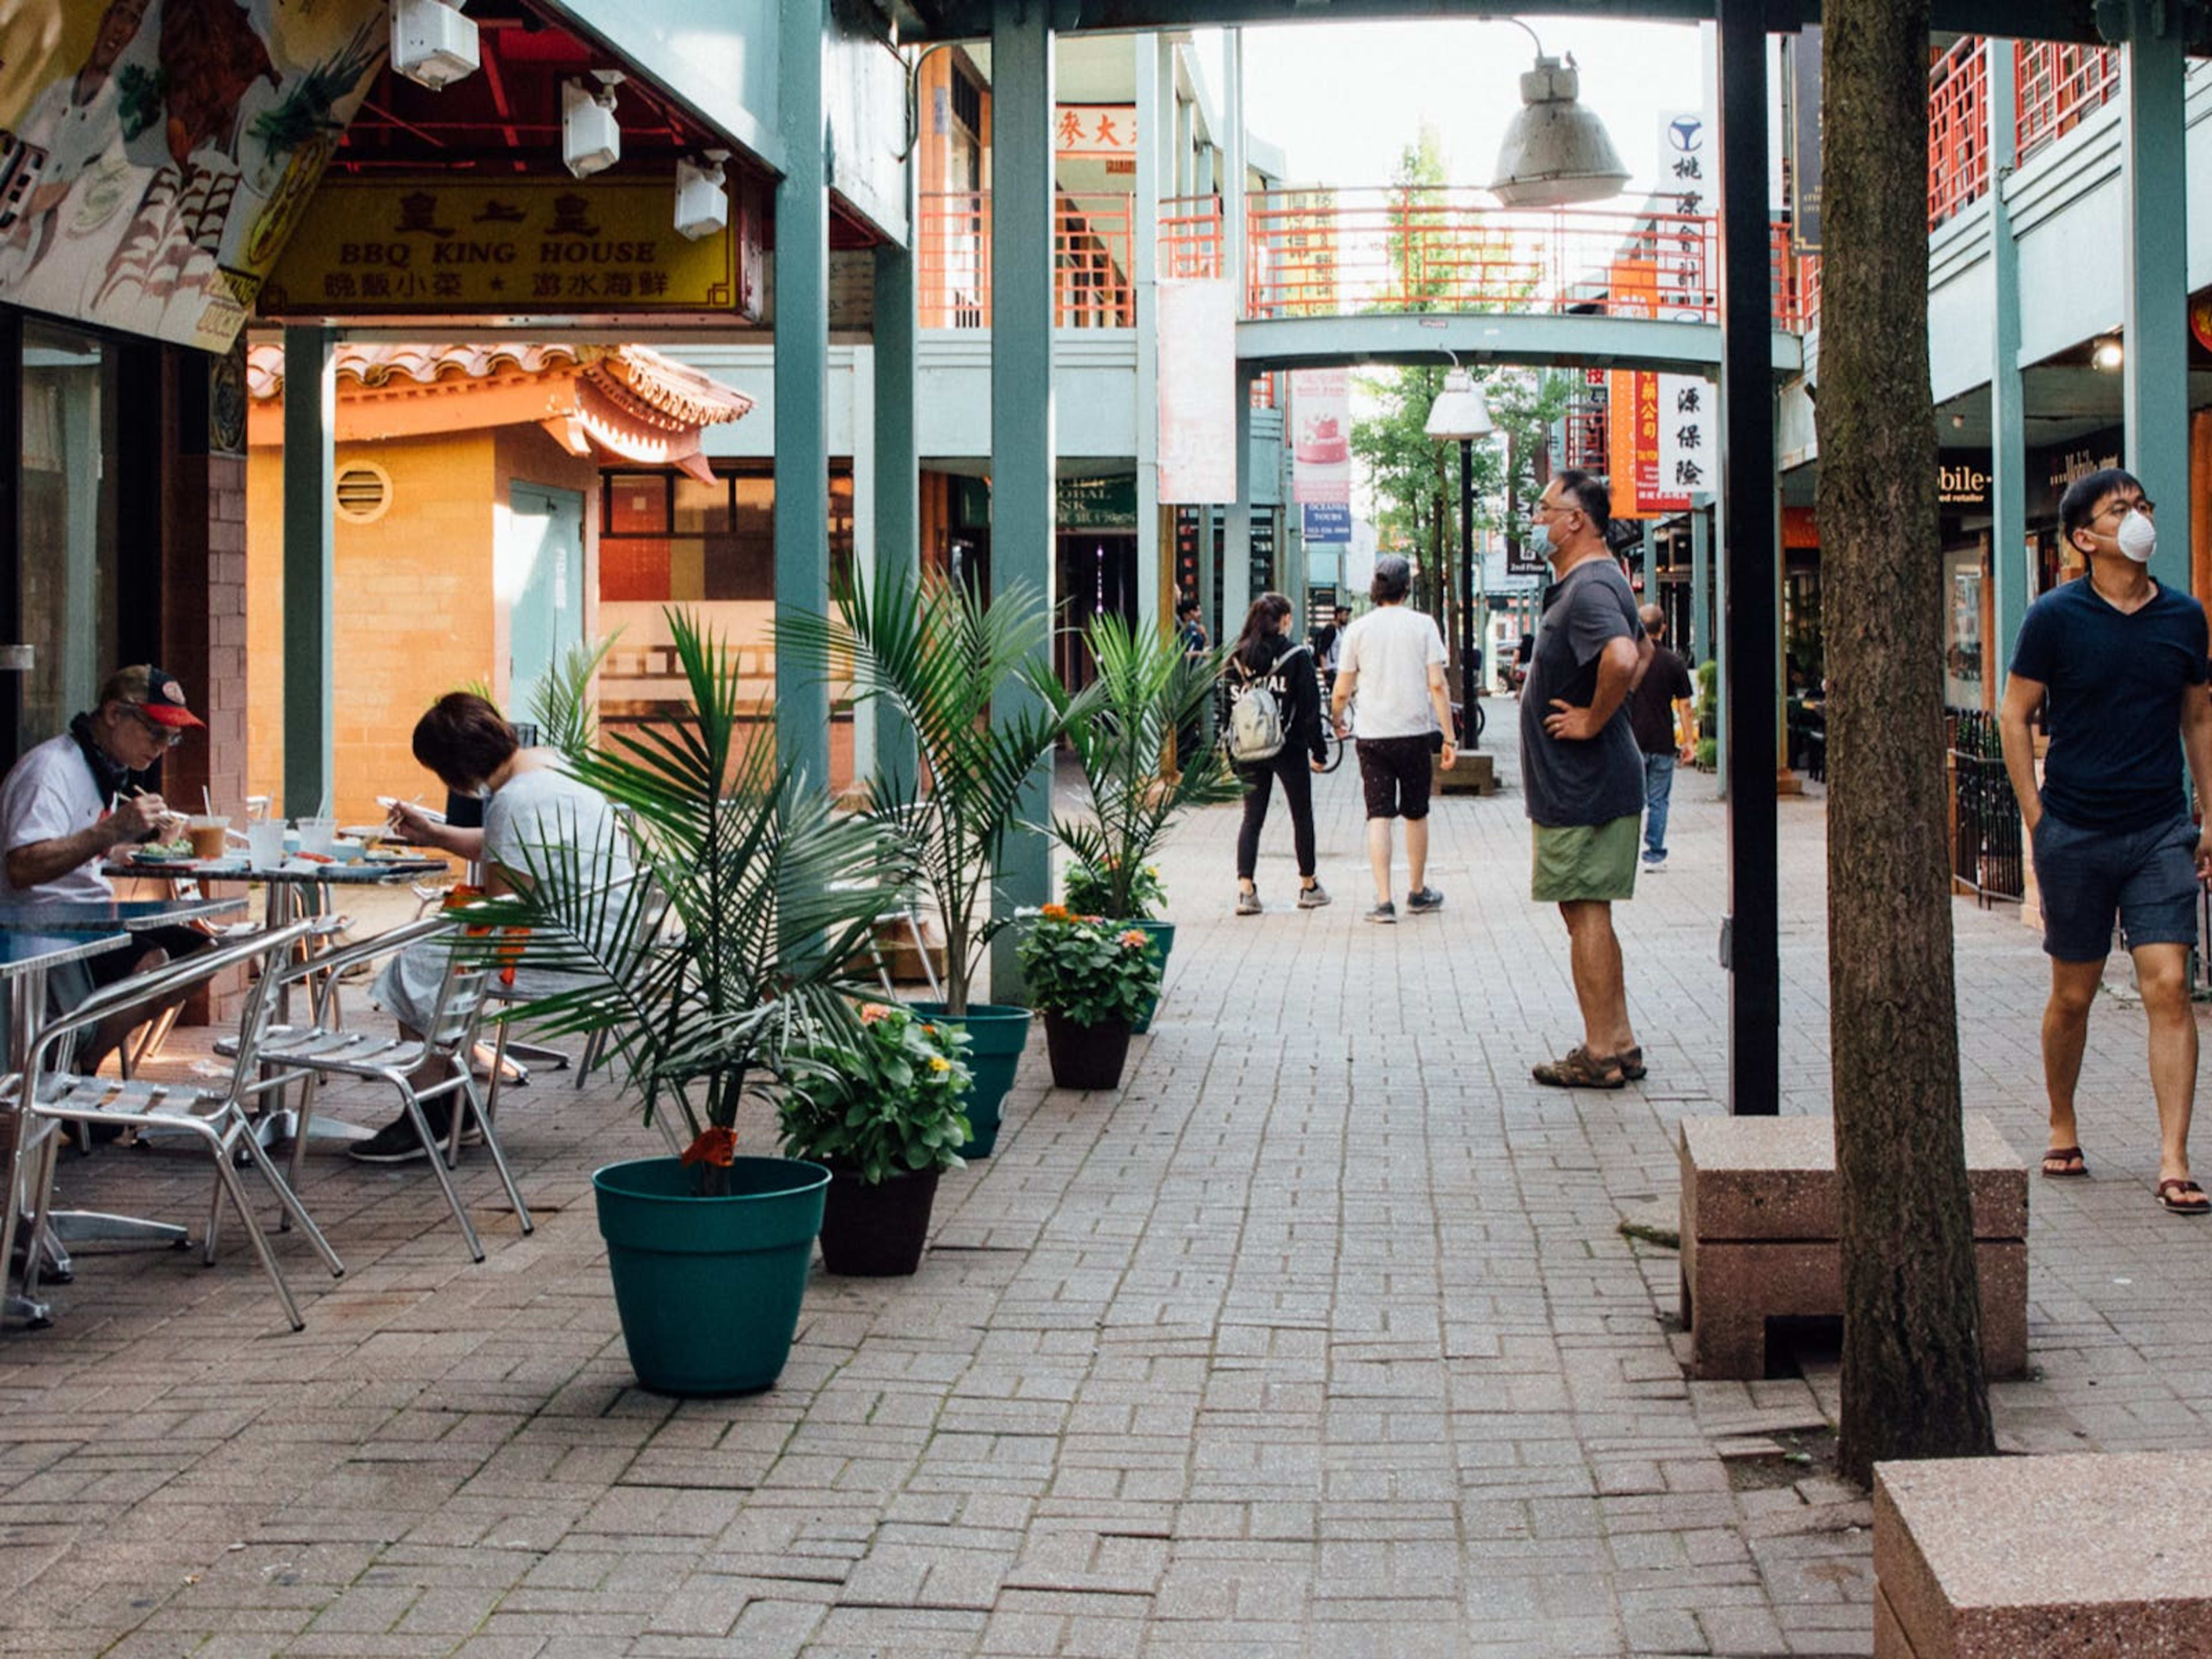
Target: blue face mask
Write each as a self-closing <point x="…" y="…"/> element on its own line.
<point x="1540" y="537"/>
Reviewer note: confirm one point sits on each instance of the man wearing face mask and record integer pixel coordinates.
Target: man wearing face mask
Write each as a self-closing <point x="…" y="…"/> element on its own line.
<point x="2122" y="659"/>
<point x="1582" y="775"/>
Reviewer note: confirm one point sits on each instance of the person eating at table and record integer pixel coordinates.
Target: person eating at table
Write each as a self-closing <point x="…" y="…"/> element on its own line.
<point x="531" y="805"/>
<point x="72" y="803"/>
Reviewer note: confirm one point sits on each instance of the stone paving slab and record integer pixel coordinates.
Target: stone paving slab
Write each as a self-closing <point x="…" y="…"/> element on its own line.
<point x="1319" y="1339"/>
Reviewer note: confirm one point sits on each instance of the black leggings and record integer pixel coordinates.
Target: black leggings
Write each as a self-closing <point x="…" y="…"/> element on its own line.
<point x="1291" y="766"/>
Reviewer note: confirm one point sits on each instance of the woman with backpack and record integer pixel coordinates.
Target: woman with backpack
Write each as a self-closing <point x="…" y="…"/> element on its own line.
<point x="1275" y="734"/>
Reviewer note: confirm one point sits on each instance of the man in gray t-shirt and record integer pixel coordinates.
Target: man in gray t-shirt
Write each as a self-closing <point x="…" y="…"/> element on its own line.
<point x="1582" y="772"/>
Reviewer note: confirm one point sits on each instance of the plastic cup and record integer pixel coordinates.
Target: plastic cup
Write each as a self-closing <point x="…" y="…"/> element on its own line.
<point x="264" y="844"/>
<point x="319" y="837"/>
<point x="208" y="836"/>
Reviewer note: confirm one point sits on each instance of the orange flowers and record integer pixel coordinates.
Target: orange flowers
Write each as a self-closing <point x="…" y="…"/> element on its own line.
<point x="717" y="1146"/>
<point x="1133" y="939"/>
<point x="1056" y="912"/>
<point x="873" y="1011"/>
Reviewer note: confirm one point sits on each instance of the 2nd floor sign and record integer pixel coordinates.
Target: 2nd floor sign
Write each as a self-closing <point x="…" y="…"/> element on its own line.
<point x="509" y="248"/>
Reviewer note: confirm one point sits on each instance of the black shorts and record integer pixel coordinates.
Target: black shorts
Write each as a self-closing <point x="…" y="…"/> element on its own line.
<point x="1393" y="773"/>
<point x="110" y="967"/>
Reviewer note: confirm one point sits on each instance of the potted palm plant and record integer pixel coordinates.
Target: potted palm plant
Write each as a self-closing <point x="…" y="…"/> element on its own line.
<point x="1090" y="977"/>
<point x="885" y="1116"/>
<point x="723" y="957"/>
<point x="1147" y="688"/>
<point x="931" y="654"/>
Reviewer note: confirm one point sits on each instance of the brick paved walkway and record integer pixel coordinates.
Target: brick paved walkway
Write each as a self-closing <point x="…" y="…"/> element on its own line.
<point x="1320" y="1338"/>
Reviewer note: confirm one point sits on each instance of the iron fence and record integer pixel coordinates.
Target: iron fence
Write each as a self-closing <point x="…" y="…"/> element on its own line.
<point x="1986" y="853"/>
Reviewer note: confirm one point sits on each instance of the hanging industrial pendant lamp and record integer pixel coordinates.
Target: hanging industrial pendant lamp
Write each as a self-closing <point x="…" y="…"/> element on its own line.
<point x="1556" y="152"/>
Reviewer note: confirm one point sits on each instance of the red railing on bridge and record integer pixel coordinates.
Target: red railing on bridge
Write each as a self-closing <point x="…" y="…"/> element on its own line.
<point x="1341" y="252"/>
<point x="2057" y="88"/>
<point x="1091" y="258"/>
<point x="1958" y="129"/>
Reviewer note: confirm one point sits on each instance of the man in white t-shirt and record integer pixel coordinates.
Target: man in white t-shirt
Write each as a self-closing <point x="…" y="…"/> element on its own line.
<point x="72" y="800"/>
<point x="1393" y="659"/>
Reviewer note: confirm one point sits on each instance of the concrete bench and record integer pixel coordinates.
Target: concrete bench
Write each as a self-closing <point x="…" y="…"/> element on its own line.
<point x="1759" y="1238"/>
<point x="2034" y="1557"/>
<point x="1470" y="773"/>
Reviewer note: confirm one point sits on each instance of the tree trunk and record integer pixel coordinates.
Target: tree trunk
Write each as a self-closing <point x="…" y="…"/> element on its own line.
<point x="1913" y="1381"/>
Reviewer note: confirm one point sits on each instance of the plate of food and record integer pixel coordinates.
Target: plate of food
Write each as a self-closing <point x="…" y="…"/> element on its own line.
<point x="178" y="851"/>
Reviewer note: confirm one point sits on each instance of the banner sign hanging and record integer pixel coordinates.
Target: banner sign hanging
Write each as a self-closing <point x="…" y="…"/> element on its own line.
<point x="1198" y="391"/>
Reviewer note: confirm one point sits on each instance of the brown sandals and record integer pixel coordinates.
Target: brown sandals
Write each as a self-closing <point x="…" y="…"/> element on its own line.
<point x="2183" y="1197"/>
<point x="2062" y="1157"/>
<point x="1579" y="1068"/>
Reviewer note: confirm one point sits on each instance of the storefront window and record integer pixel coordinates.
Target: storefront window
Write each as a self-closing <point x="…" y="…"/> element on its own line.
<point x="66" y="579"/>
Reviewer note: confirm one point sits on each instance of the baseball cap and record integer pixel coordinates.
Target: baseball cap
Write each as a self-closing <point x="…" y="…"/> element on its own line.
<point x="152" y="690"/>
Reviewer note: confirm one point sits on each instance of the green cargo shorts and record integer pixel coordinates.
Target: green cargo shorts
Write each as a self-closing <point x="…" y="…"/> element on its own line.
<point x="1582" y="862"/>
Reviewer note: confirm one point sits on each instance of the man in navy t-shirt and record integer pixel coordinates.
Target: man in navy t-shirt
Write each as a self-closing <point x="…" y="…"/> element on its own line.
<point x="2122" y="659"/>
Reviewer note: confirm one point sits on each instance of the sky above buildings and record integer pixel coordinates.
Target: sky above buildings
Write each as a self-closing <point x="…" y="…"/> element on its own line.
<point x="1343" y="101"/>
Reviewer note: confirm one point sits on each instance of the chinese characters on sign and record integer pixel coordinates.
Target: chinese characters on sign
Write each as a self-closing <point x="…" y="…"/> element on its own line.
<point x="505" y="245"/>
<point x="1683" y="247"/>
<point x="1687" y="465"/>
<point x="1095" y="130"/>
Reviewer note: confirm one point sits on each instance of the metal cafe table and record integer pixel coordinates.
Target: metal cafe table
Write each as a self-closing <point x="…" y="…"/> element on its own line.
<point x="297" y="888"/>
<point x="36" y="937"/>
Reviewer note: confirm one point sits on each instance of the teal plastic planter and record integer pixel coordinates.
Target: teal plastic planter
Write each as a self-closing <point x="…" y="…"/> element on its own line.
<point x="997" y="1034"/>
<point x="1163" y="938"/>
<point x="708" y="1288"/>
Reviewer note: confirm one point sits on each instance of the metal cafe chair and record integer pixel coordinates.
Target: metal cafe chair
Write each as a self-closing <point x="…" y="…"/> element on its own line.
<point x="216" y="1118"/>
<point x="325" y="1048"/>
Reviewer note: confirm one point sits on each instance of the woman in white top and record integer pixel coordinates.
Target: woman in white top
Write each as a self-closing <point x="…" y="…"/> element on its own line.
<point x="531" y="807"/>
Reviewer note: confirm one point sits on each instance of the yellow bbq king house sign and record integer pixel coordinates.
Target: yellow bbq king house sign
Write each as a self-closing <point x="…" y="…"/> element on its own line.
<point x="514" y="249"/>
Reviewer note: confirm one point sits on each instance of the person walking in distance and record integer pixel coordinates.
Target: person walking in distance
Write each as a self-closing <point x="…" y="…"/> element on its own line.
<point x="1580" y="772"/>
<point x="1392" y="660"/>
<point x="2121" y="659"/>
<point x="1265" y="660"/>
<point x="1190" y="636"/>
<point x="1662" y="695"/>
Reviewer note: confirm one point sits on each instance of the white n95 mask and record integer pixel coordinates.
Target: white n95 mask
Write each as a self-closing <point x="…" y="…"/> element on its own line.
<point x="2137" y="536"/>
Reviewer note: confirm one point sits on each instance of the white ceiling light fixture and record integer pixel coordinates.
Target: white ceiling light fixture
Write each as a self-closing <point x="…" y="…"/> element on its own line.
<point x="1461" y="411"/>
<point x="432" y="44"/>
<point x="1555" y="152"/>
<point x="702" y="208"/>
<point x="590" y="138"/>
<point x="2106" y="355"/>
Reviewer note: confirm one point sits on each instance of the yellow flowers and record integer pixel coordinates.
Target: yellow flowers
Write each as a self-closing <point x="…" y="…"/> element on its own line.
<point x="938" y="1063"/>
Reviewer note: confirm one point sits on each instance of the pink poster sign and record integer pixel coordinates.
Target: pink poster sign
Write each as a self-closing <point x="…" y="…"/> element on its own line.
<point x="1321" y="443"/>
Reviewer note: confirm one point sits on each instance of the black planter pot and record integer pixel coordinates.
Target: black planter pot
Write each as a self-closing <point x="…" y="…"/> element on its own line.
<point x="1085" y="1056"/>
<point x="876" y="1231"/>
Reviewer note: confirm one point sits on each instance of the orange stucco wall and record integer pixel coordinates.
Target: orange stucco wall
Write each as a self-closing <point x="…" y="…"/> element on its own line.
<point x="417" y="615"/>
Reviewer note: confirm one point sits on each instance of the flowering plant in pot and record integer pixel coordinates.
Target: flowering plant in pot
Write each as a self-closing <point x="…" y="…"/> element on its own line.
<point x="885" y="1112"/>
<point x="1090" y="978"/>
<point x="1147" y="689"/>
<point x="724" y="954"/>
<point x="968" y="685"/>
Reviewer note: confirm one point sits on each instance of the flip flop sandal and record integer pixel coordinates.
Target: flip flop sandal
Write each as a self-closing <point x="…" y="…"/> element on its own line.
<point x="2063" y="1155"/>
<point x="1579" y="1068"/>
<point x="2183" y="1197"/>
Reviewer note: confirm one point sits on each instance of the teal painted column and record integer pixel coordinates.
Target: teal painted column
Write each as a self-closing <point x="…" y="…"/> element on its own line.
<point x="1701" y="580"/>
<point x="2155" y="241"/>
<point x="310" y="402"/>
<point x="898" y="493"/>
<point x="1154" y="64"/>
<point x="2009" y="575"/>
<point x="1236" y="528"/>
<point x="1022" y="440"/>
<point x="802" y="390"/>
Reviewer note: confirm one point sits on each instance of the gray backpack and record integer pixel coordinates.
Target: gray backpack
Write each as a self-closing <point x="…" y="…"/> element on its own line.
<point x="1258" y="725"/>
